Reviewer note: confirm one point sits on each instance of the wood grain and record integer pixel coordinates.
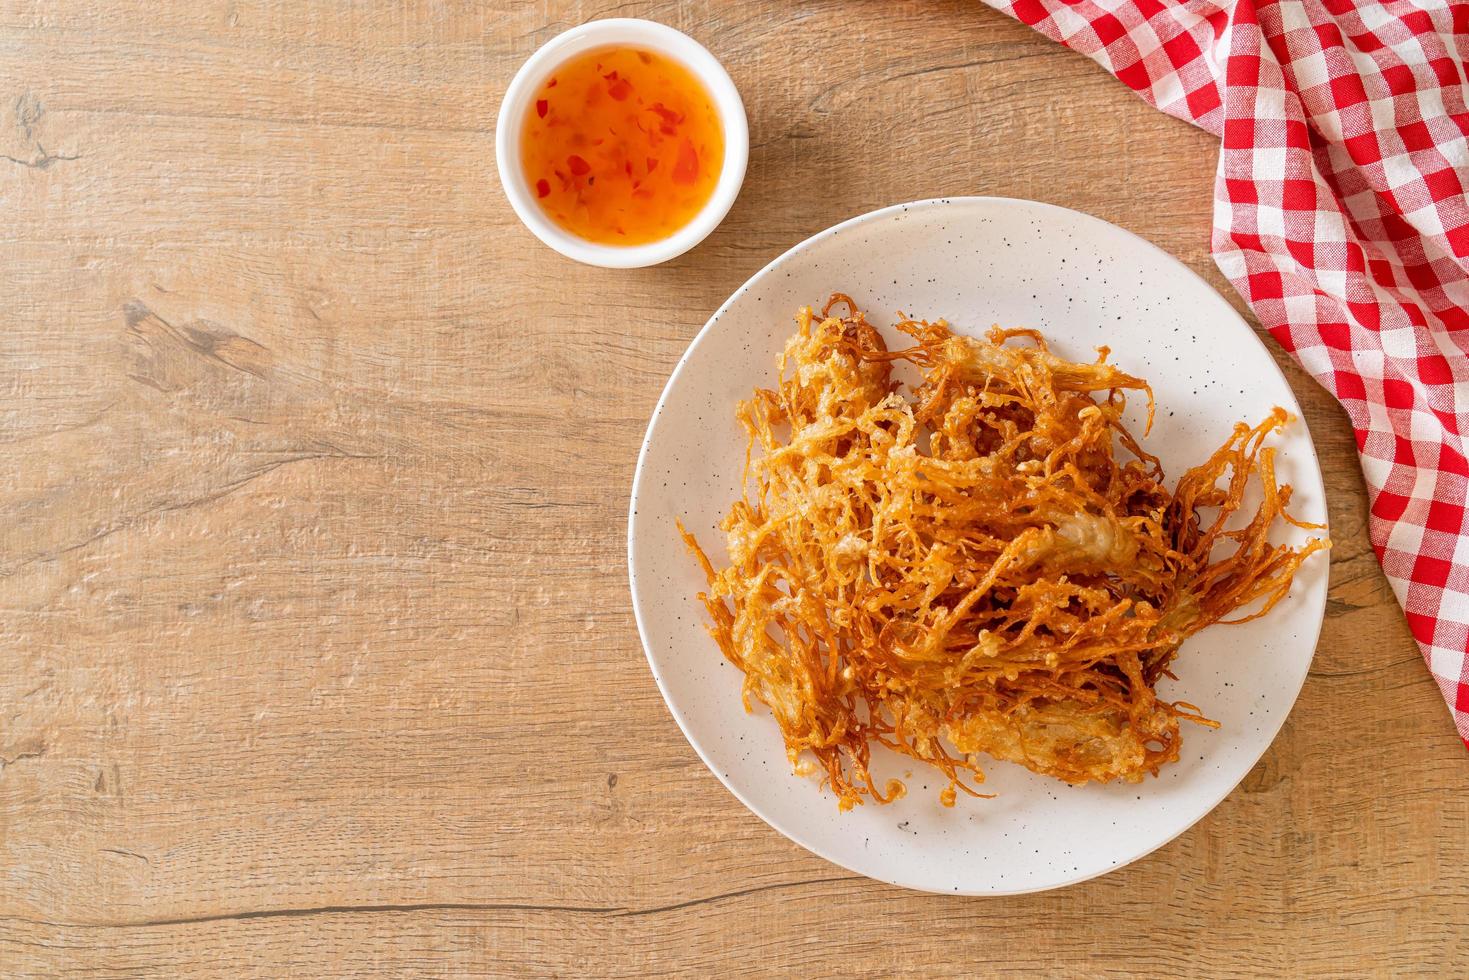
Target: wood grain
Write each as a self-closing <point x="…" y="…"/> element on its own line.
<point x="316" y="655"/>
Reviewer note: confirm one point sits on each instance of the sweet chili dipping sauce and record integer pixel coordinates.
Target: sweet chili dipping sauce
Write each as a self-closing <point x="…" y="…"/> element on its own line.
<point x="622" y="146"/>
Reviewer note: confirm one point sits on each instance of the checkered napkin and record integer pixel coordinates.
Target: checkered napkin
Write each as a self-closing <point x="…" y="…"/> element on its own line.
<point x="1340" y="216"/>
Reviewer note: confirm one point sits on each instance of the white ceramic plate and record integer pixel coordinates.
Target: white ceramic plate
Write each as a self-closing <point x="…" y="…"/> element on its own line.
<point x="976" y="262"/>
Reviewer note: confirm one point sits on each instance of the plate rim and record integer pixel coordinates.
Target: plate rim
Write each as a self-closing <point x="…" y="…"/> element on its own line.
<point x="1134" y="239"/>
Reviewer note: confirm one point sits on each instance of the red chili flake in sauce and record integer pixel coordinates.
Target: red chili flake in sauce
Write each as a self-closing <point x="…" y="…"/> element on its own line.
<point x="578" y="166"/>
<point x="543" y="188"/>
<point x="619" y="88"/>
<point x="668" y="115"/>
<point x="686" y="170"/>
<point x="542" y="107"/>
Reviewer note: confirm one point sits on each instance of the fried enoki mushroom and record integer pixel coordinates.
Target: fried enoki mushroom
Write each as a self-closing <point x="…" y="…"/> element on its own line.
<point x="988" y="564"/>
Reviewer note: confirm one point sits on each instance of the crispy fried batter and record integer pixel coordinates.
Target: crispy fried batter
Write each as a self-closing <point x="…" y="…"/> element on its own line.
<point x="989" y="565"/>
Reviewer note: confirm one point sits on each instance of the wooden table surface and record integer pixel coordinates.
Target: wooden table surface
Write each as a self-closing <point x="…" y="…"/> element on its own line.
<point x="316" y="655"/>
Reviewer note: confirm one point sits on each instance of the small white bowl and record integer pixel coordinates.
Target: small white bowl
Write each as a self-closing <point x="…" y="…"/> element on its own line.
<point x="622" y="32"/>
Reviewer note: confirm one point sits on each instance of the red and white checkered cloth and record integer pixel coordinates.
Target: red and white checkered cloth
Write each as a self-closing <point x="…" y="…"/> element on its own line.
<point x="1341" y="218"/>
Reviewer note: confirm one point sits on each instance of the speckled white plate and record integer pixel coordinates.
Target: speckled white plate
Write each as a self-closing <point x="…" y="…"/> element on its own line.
<point x="976" y="262"/>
